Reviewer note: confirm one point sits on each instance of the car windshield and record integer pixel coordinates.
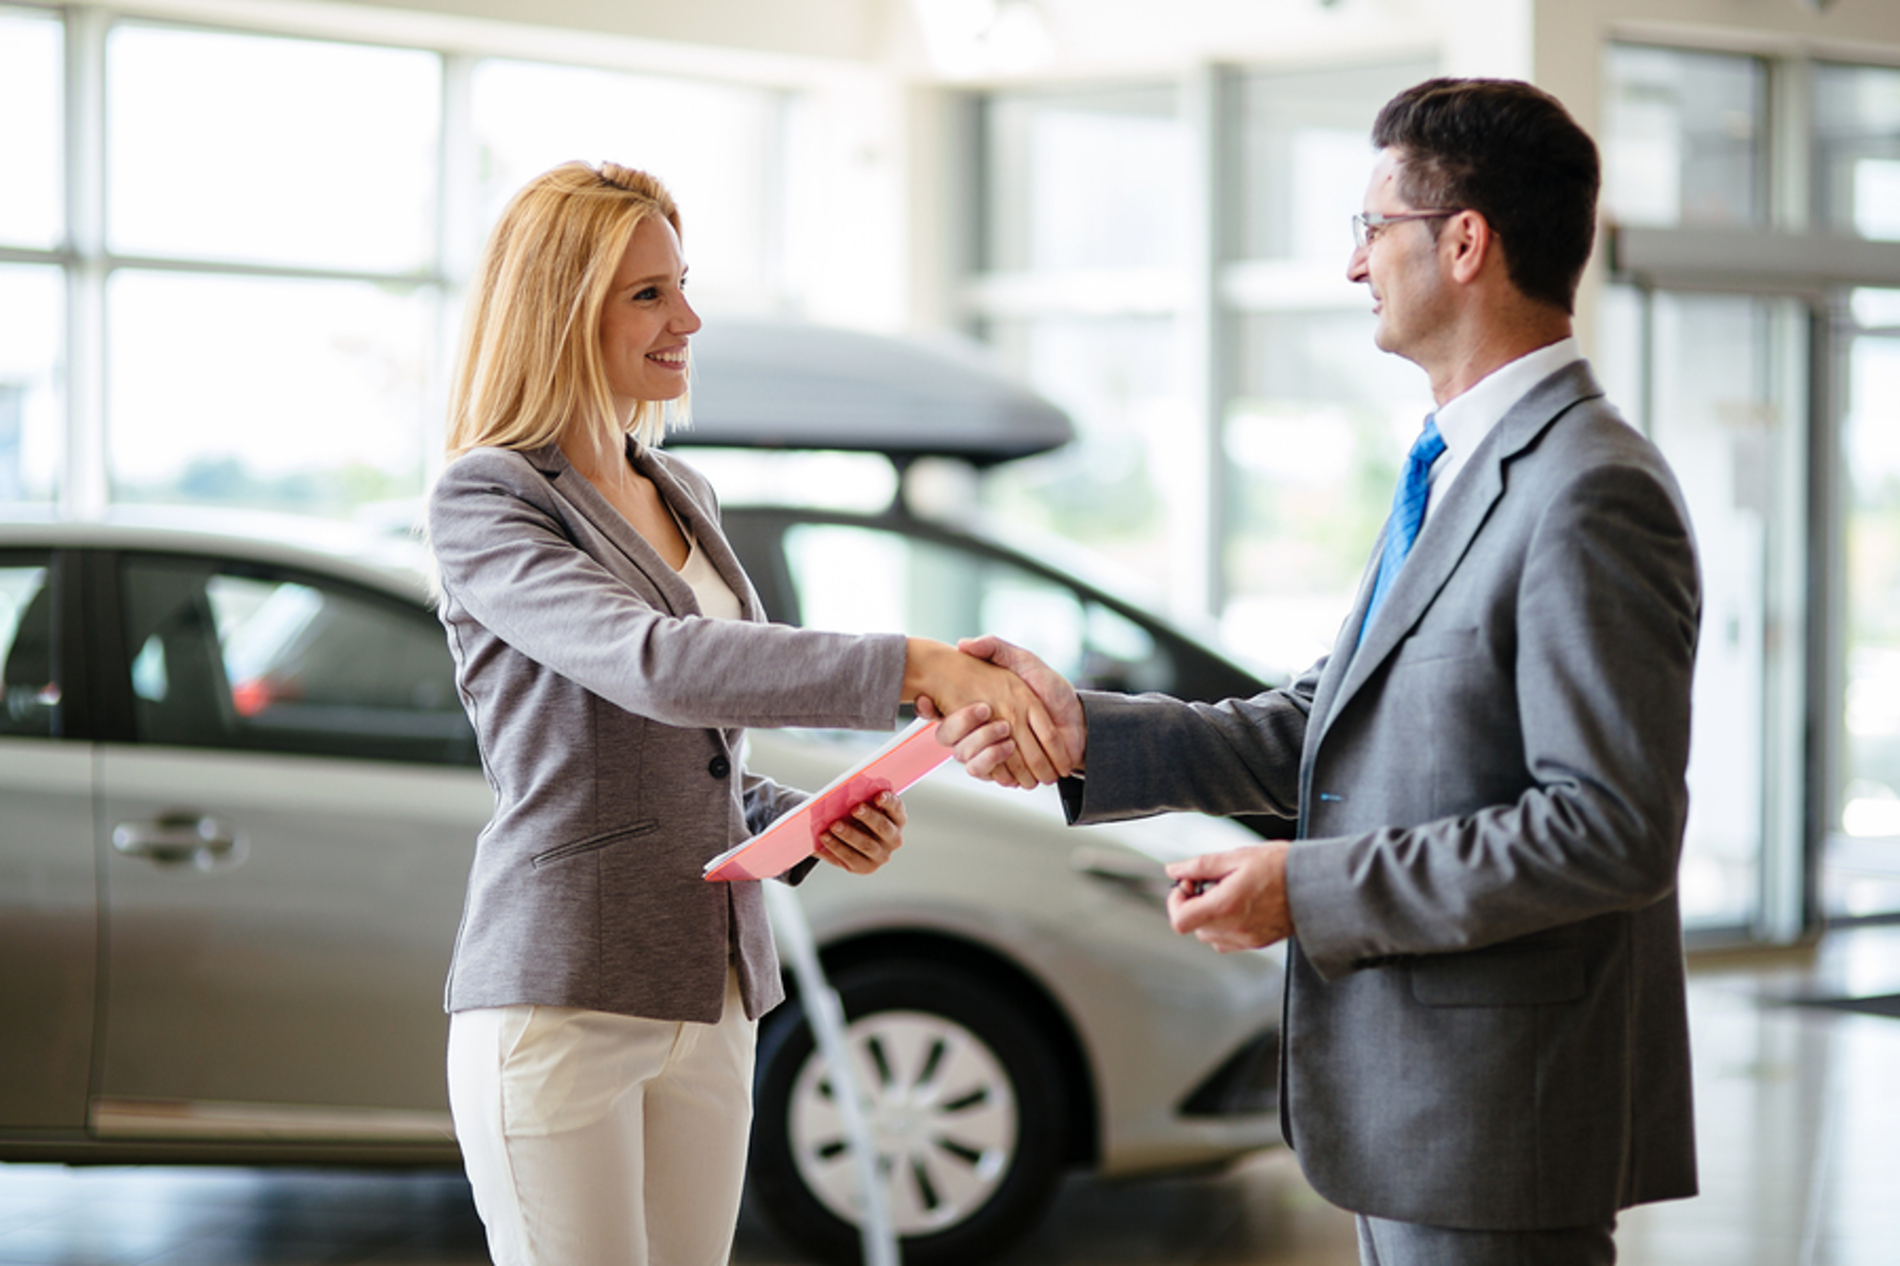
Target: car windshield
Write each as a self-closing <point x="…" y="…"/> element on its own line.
<point x="930" y="590"/>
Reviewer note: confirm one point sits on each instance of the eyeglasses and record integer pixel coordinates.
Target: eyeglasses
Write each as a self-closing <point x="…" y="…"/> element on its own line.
<point x="1366" y="227"/>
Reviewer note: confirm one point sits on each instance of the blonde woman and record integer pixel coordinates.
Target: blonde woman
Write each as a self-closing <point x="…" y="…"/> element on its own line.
<point x="609" y="650"/>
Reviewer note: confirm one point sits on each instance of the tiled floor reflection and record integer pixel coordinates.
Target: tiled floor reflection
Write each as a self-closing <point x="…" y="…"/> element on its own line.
<point x="50" y="1216"/>
<point x="1260" y="1214"/>
<point x="1799" y="1111"/>
<point x="1798" y="1116"/>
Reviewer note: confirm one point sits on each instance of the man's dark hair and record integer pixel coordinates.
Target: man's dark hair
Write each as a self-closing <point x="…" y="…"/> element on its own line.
<point x="1511" y="153"/>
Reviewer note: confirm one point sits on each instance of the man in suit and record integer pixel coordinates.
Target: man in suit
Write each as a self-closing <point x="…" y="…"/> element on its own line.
<point x="1486" y="1051"/>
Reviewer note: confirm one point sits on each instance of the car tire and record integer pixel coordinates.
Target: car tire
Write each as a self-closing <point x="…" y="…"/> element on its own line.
<point x="966" y="1103"/>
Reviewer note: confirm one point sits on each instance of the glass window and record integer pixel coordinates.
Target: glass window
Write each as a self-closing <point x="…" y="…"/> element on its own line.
<point x="248" y="658"/>
<point x="1684" y="137"/>
<point x="1305" y="152"/>
<point x="29" y="678"/>
<point x="32" y="316"/>
<point x="795" y="477"/>
<point x="1085" y="180"/>
<point x="1857" y="149"/>
<point x="1726" y="407"/>
<point x="1117" y="377"/>
<point x="1867" y="803"/>
<point x="1091" y="181"/>
<point x="290" y="395"/>
<point x="284" y="151"/>
<point x="1312" y="440"/>
<point x="716" y="147"/>
<point x="1719" y="442"/>
<point x="30" y="143"/>
<point x="863" y="580"/>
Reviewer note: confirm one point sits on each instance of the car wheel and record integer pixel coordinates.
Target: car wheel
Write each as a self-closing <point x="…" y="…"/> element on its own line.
<point x="965" y="1105"/>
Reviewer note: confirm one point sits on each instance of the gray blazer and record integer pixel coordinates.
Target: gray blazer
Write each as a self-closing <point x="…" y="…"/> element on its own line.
<point x="609" y="715"/>
<point x="1485" y="1024"/>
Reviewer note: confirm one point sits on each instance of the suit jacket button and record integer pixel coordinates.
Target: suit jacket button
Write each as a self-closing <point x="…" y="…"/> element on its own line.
<point x="720" y="767"/>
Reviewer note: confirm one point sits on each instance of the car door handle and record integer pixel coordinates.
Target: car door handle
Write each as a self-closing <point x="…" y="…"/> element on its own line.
<point x="1140" y="875"/>
<point x="176" y="838"/>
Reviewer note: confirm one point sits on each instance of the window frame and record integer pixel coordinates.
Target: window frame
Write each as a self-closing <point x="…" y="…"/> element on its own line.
<point x="1792" y="256"/>
<point x="113" y="670"/>
<point x="63" y="662"/>
<point x="1206" y="298"/>
<point x="82" y="481"/>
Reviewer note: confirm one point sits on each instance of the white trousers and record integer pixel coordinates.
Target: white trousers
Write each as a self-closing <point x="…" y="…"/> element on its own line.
<point x="603" y="1140"/>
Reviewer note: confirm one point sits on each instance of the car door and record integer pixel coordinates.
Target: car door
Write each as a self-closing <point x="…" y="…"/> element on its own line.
<point x="286" y="834"/>
<point x="48" y="928"/>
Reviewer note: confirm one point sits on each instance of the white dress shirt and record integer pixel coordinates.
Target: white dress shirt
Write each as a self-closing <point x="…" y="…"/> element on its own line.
<point x="716" y="599"/>
<point x="1466" y="419"/>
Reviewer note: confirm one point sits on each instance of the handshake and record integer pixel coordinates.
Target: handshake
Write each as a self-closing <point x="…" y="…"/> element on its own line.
<point x="1010" y="717"/>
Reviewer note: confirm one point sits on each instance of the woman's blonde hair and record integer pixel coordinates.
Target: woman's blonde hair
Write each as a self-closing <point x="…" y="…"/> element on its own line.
<point x="529" y="365"/>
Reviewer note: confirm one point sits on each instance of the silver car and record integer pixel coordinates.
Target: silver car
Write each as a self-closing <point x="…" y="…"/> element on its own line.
<point x="238" y="799"/>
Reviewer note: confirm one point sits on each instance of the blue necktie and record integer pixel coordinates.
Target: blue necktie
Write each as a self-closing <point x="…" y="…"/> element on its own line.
<point x="1408" y="512"/>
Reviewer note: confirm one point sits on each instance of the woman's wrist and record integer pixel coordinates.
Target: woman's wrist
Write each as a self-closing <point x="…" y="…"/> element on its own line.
<point x="922" y="660"/>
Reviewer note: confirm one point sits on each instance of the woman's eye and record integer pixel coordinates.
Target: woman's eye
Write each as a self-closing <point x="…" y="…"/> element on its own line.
<point x="651" y="292"/>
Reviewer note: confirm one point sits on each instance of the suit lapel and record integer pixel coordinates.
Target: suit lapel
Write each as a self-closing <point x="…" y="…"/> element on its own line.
<point x="1446" y="537"/>
<point x="1339" y="663"/>
<point x="575" y="489"/>
<point x="705" y="530"/>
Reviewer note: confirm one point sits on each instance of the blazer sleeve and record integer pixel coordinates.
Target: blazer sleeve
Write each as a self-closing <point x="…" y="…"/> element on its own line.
<point x="503" y="555"/>
<point x="1151" y="754"/>
<point x="1605" y="609"/>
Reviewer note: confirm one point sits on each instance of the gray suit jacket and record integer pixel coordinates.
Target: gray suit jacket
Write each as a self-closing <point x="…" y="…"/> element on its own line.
<point x="609" y="715"/>
<point x="1485" y="1022"/>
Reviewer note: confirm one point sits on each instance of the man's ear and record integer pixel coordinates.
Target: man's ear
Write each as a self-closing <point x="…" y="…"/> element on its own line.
<point x="1467" y="245"/>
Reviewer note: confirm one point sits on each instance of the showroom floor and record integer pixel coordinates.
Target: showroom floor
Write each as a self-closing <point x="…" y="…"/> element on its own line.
<point x="1798" y="1102"/>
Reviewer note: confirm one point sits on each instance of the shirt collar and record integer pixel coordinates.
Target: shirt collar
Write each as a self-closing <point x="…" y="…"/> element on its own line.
<point x="1466" y="419"/>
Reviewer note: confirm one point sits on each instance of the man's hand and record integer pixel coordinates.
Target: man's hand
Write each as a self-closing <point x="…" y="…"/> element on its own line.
<point x="1232" y="901"/>
<point x="986" y="746"/>
<point x="944" y="681"/>
<point x="866" y="839"/>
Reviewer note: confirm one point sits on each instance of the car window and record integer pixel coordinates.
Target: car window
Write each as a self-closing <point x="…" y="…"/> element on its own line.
<point x="862" y="580"/>
<point x="30" y="686"/>
<point x="251" y="658"/>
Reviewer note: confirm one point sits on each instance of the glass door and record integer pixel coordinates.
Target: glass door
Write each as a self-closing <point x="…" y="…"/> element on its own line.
<point x="1752" y="227"/>
<point x="1857" y="196"/>
<point x="1719" y="382"/>
<point x="1861" y="871"/>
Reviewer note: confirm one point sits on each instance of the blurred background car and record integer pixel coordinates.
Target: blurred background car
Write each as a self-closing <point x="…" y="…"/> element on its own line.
<point x="239" y="797"/>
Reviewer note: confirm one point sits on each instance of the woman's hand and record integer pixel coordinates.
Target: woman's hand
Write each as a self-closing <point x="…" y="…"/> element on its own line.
<point x="951" y="681"/>
<point x="983" y="745"/>
<point x="865" y="840"/>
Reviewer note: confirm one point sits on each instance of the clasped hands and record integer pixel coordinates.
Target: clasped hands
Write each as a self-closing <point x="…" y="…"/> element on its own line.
<point x="1231" y="901"/>
<point x="1010" y="717"/>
